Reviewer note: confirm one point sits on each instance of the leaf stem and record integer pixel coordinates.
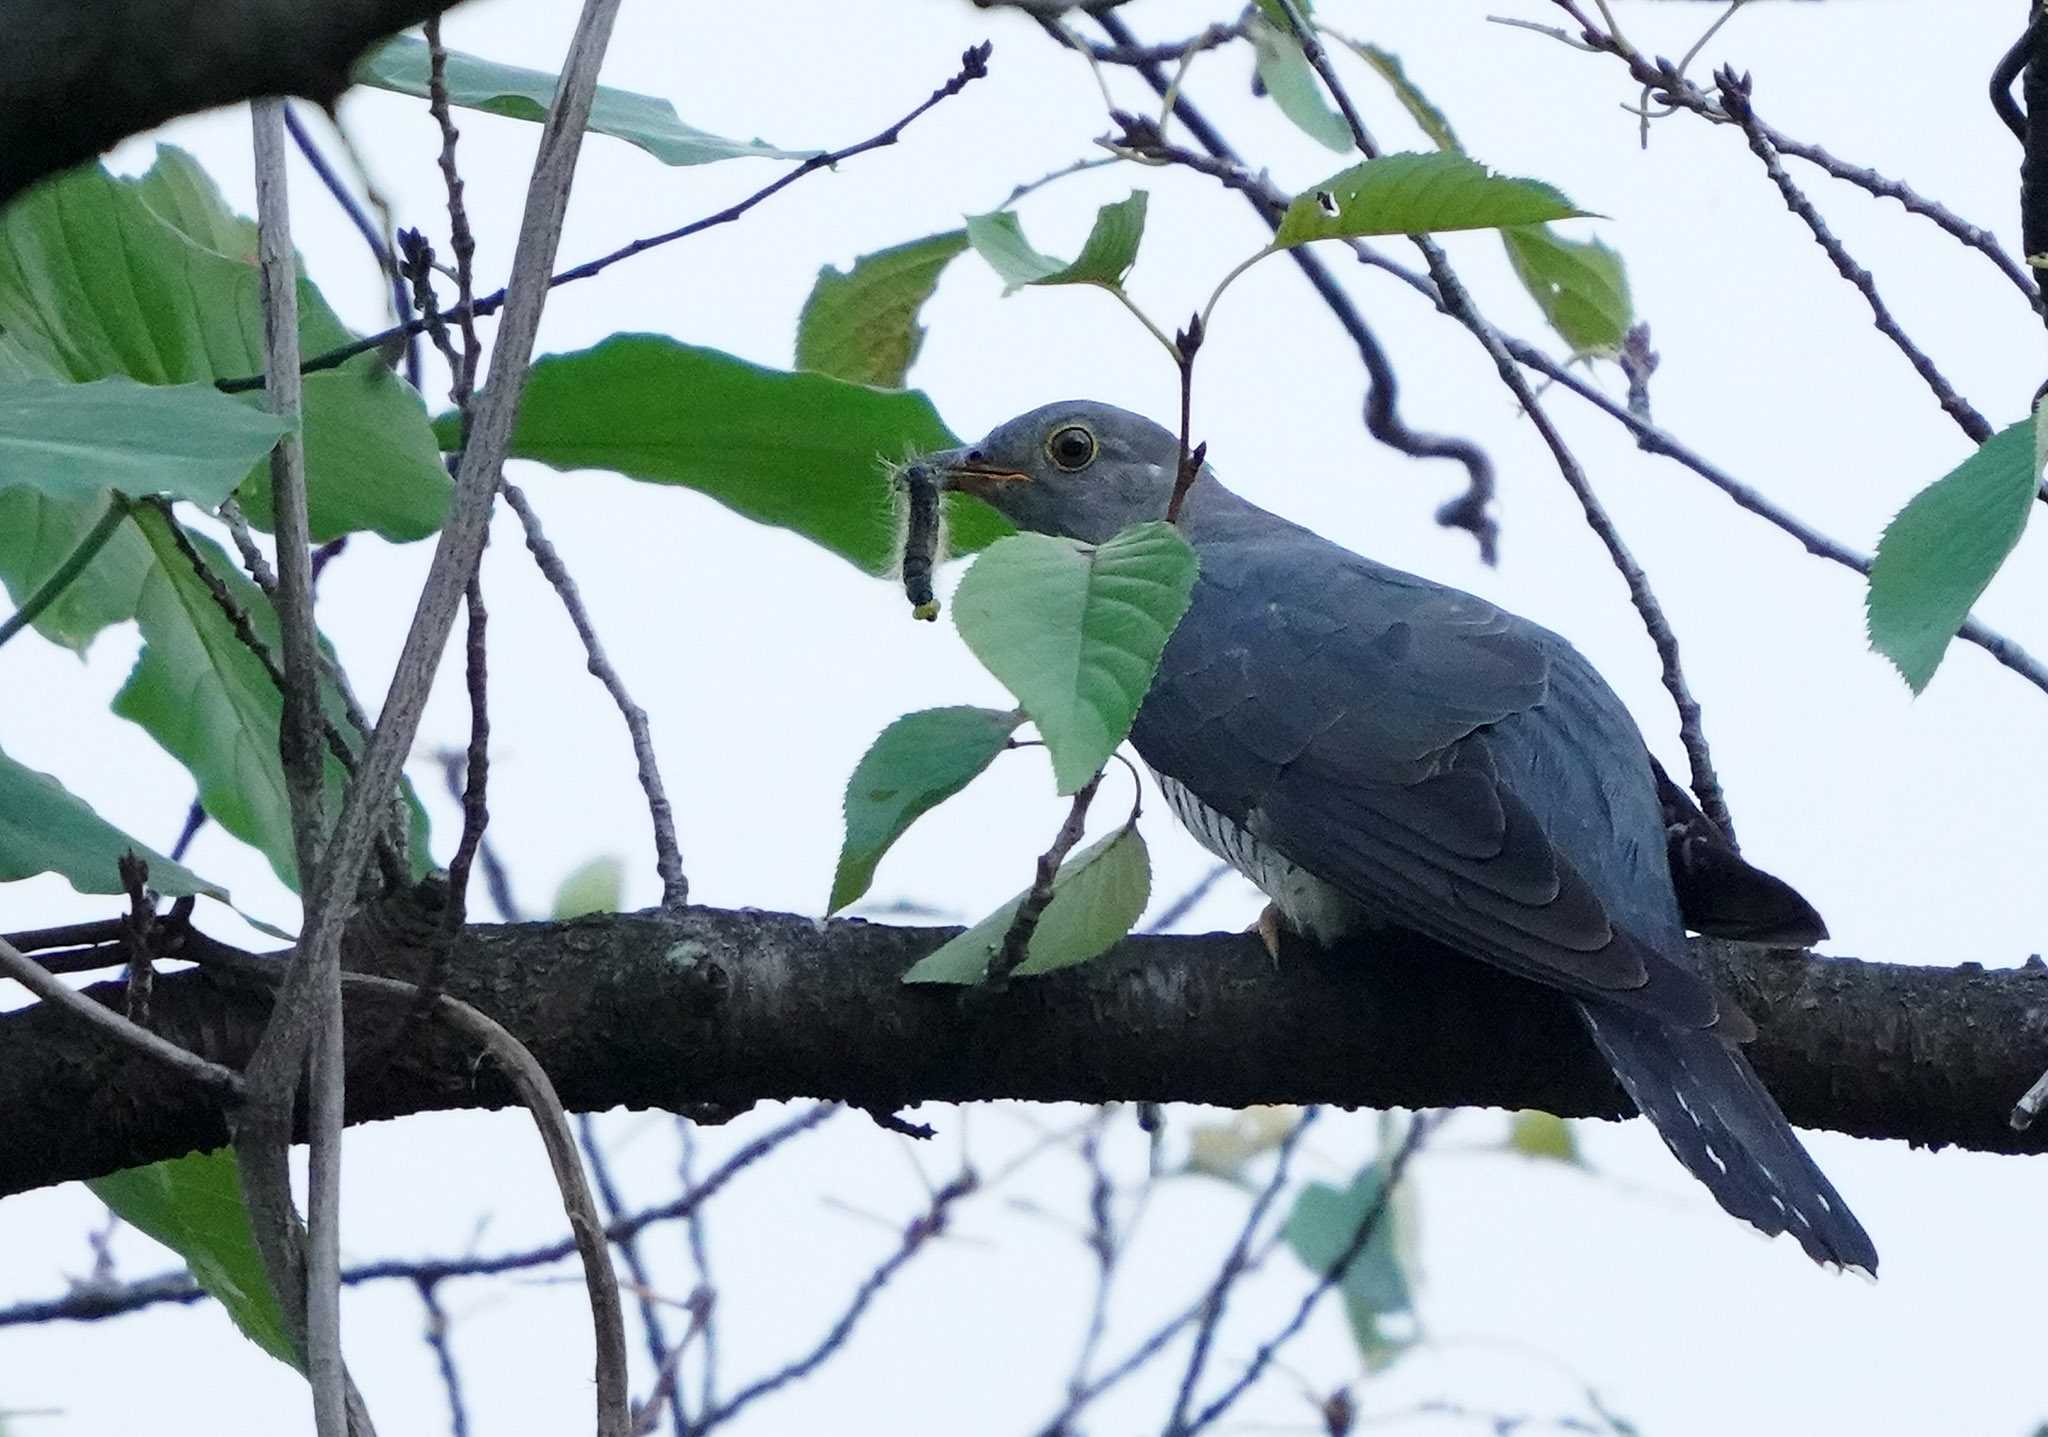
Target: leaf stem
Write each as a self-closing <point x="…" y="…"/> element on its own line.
<point x="74" y="564"/>
<point x="1017" y="942"/>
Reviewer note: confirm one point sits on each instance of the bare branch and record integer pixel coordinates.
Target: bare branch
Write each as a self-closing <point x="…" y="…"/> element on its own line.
<point x="221" y="1081"/>
<point x="974" y="65"/>
<point x="530" y="1081"/>
<point x="668" y="855"/>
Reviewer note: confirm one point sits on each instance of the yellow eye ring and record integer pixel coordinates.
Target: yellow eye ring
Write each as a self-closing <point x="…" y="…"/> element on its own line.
<point x="1071" y="447"/>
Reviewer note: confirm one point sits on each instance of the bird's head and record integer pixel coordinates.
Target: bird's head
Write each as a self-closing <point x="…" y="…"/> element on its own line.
<point x="1077" y="468"/>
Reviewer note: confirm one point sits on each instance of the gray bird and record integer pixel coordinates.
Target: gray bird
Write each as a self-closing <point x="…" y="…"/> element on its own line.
<point x="1369" y="747"/>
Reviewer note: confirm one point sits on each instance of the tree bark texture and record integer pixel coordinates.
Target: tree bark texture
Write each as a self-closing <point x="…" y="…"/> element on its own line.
<point x="734" y="1007"/>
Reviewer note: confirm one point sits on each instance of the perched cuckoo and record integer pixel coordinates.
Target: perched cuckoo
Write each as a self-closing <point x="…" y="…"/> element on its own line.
<point x="1371" y="748"/>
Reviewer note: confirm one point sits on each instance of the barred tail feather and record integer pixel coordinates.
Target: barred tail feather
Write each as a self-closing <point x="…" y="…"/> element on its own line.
<point x="1718" y="1120"/>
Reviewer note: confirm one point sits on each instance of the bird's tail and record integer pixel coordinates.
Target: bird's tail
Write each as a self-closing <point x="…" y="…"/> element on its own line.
<point x="1719" y="1121"/>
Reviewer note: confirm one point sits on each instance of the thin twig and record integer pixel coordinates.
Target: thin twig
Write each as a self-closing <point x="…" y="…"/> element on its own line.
<point x="1183" y="905"/>
<point x="1187" y="343"/>
<point x="1454" y="300"/>
<point x="140" y="921"/>
<point x="476" y="768"/>
<point x="530" y="1082"/>
<point x="629" y="1248"/>
<point x="1884" y="187"/>
<point x="1235" y="1263"/>
<point x="668" y="855"/>
<point x="927" y="1225"/>
<point x="1418" y="1129"/>
<point x="436" y="1336"/>
<point x="74" y="564"/>
<point x="1734" y="91"/>
<point x="1381" y="409"/>
<point x="299" y="735"/>
<point x="338" y="190"/>
<point x="460" y="240"/>
<point x="1017" y="940"/>
<point x="705" y="1298"/>
<point x="223" y="1082"/>
<point x="1661" y="442"/>
<point x="300" y="1011"/>
<point x="974" y="65"/>
<point x="318" y="1306"/>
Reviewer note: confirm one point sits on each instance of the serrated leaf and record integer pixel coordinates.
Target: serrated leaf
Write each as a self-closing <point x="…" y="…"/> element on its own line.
<point x="1580" y="285"/>
<point x="802" y="452"/>
<point x="155" y="279"/>
<point x="401" y="64"/>
<point x="1536" y="1134"/>
<point x="1293" y="85"/>
<point x="1105" y="258"/>
<point x="1075" y="631"/>
<point x="861" y="325"/>
<point x="79" y="441"/>
<point x="918" y="762"/>
<point x="1417" y="194"/>
<point x="200" y="693"/>
<point x="1433" y="122"/>
<point x="1324" y="1222"/>
<point x="597" y="886"/>
<point x="193" y="1206"/>
<point x="45" y="828"/>
<point x="1097" y="897"/>
<point x="1941" y="551"/>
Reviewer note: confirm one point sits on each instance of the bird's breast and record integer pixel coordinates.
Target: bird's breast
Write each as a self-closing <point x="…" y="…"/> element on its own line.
<point x="1309" y="905"/>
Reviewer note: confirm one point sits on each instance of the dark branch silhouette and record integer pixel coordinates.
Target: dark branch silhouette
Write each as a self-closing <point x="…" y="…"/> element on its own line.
<point x="731" y="1008"/>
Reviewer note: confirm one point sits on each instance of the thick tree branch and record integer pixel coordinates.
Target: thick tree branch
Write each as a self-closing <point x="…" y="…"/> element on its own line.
<point x="78" y="76"/>
<point x="735" y="1007"/>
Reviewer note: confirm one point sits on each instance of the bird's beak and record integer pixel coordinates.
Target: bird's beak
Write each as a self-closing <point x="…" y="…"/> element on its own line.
<point x="968" y="472"/>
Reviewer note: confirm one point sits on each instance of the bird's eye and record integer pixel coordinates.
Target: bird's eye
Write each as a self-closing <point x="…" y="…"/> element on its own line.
<point x="1071" y="448"/>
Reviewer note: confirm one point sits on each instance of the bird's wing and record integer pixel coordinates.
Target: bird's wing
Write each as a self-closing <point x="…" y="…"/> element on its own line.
<point x="1437" y="759"/>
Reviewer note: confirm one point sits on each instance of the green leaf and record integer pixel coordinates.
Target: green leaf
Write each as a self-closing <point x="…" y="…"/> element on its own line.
<point x="1581" y="286"/>
<point x="401" y="64"/>
<point x="38" y="533"/>
<point x="155" y="279"/>
<point x="1941" y="550"/>
<point x="598" y="886"/>
<point x="201" y="694"/>
<point x="1097" y="896"/>
<point x="1075" y="631"/>
<point x="919" y="762"/>
<point x="1105" y="258"/>
<point x="1536" y="1134"/>
<point x="44" y="828"/>
<point x="1324" y="1223"/>
<point x="1420" y="108"/>
<point x="375" y="475"/>
<point x="1414" y="194"/>
<point x="1292" y="84"/>
<point x="802" y="452"/>
<point x="77" y="441"/>
<point x="193" y="1206"/>
<point x="861" y="326"/>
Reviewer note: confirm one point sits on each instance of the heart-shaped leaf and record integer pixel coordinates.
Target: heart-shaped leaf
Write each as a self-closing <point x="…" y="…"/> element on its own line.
<point x="1075" y="631"/>
<point x="1097" y="896"/>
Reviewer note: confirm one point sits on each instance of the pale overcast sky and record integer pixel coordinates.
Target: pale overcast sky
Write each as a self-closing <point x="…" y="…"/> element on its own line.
<point x="1916" y="826"/>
